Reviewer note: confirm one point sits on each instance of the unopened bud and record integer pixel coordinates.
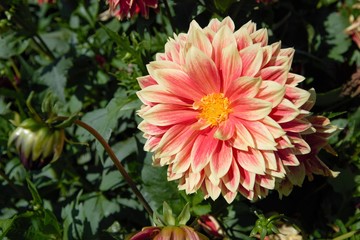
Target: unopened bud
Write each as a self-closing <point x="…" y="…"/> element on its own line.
<point x="37" y="143"/>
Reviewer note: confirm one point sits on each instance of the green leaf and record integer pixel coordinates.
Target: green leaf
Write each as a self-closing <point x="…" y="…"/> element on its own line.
<point x="55" y="75"/>
<point x="97" y="207"/>
<point x="34" y="193"/>
<point x="223" y="5"/>
<point x="5" y="226"/>
<point x="184" y="216"/>
<point x="168" y="215"/>
<point x="105" y="120"/>
<point x="12" y="45"/>
<point x="157" y="189"/>
<point x="201" y="209"/>
<point x="73" y="216"/>
<point x="335" y="25"/>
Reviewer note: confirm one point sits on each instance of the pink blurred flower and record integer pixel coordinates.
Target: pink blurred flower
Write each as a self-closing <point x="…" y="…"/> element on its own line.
<point x="168" y="233"/>
<point x="354" y="30"/>
<point x="46" y="1"/>
<point x="127" y="8"/>
<point x="223" y="111"/>
<point x="211" y="226"/>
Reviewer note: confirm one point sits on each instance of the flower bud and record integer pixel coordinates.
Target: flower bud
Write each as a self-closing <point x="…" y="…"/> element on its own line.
<point x="169" y="233"/>
<point x="211" y="226"/>
<point x="37" y="144"/>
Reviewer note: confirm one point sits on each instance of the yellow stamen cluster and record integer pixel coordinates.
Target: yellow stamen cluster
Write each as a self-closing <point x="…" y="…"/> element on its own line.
<point x="214" y="108"/>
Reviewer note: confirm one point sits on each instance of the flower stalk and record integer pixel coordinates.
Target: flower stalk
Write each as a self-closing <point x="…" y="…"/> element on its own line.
<point x="117" y="163"/>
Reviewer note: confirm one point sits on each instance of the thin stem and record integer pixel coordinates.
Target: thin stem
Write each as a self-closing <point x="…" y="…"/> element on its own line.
<point x="118" y="164"/>
<point x="39" y="42"/>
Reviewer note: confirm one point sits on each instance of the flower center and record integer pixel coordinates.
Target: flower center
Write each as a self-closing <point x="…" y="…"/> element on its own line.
<point x="214" y="108"/>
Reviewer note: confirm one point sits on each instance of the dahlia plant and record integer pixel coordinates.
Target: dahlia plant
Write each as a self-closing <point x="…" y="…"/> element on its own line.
<point x="226" y="116"/>
<point x="224" y="112"/>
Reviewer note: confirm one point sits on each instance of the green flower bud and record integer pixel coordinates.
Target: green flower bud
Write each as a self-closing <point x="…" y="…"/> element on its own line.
<point x="37" y="143"/>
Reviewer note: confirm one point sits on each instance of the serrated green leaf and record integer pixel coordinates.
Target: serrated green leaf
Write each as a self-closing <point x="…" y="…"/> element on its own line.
<point x="55" y="76"/>
<point x="12" y="45"/>
<point x="336" y="37"/>
<point x="97" y="207"/>
<point x="110" y="180"/>
<point x="201" y="209"/>
<point x="156" y="188"/>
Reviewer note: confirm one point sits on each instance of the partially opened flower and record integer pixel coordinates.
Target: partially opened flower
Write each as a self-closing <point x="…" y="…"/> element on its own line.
<point x="127" y="8"/>
<point x="174" y="228"/>
<point x="223" y="111"/>
<point x="310" y="163"/>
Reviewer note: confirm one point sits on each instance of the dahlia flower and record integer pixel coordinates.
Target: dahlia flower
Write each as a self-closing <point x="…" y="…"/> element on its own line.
<point x="127" y="8"/>
<point x="223" y="111"/>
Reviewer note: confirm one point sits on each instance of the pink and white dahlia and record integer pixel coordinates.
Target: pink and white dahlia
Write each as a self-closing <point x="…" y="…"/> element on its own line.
<point x="223" y="111"/>
<point x="127" y="8"/>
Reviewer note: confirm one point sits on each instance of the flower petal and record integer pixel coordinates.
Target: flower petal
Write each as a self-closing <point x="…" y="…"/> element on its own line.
<point x="261" y="135"/>
<point x="275" y="73"/>
<point x="202" y="70"/>
<point x="243" y="139"/>
<point x="231" y="180"/>
<point x="230" y="65"/>
<point x="146" y="81"/>
<point x="212" y="190"/>
<point x="157" y="94"/>
<point x="197" y="38"/>
<point x="247" y="179"/>
<point x="225" y="130"/>
<point x="284" y="112"/>
<point x="223" y="38"/>
<point x="251" y="58"/>
<point x="243" y="39"/>
<point x="166" y="114"/>
<point x="250" y="109"/>
<point x="173" y="140"/>
<point x="151" y="129"/>
<point x="251" y="160"/>
<point x="272" y="92"/>
<point x="243" y="87"/>
<point x="202" y="151"/>
<point x="221" y="159"/>
<point x="297" y="96"/>
<point x="178" y="83"/>
<point x="288" y="157"/>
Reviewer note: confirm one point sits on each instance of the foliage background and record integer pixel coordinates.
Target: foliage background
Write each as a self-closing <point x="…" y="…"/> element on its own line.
<point x="91" y="64"/>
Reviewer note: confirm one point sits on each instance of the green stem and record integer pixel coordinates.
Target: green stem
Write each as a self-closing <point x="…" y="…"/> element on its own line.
<point x="118" y="164"/>
<point x="45" y="47"/>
